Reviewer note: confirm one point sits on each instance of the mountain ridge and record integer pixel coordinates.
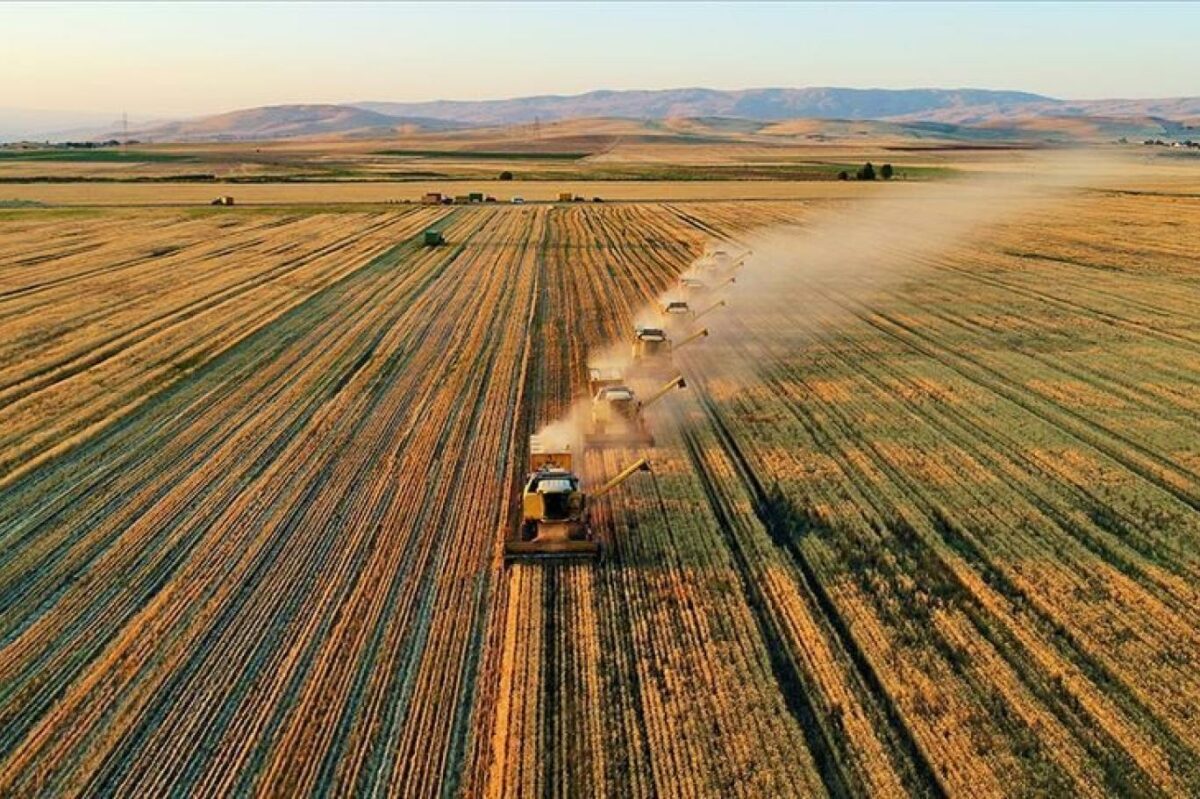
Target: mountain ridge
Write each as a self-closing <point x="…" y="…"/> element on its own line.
<point x="766" y="104"/>
<point x="966" y="108"/>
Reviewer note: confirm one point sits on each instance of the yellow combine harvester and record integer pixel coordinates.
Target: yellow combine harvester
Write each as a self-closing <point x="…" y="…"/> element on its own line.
<point x="554" y="507"/>
<point x="681" y="314"/>
<point x="617" y="419"/>
<point x="695" y="288"/>
<point x="652" y="349"/>
<point x="717" y="264"/>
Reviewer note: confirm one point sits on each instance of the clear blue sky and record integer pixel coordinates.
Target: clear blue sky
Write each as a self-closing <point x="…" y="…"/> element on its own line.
<point x="189" y="58"/>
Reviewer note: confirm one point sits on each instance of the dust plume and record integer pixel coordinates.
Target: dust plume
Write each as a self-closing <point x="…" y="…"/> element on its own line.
<point x="566" y="432"/>
<point x="803" y="280"/>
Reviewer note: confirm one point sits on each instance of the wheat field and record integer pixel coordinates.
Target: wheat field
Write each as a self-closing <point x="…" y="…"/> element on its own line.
<point x="929" y="532"/>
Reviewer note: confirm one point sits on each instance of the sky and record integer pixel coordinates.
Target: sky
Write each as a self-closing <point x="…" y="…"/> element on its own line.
<point x="170" y="60"/>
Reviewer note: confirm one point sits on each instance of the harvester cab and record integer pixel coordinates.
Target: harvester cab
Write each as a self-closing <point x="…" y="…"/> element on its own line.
<point x="554" y="507"/>
<point x="617" y="419"/>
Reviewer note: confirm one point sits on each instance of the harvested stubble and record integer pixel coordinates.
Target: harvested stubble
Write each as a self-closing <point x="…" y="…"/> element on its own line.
<point x="255" y="468"/>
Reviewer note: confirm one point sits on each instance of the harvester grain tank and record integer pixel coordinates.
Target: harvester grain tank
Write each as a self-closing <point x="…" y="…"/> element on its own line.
<point x="617" y="418"/>
<point x="554" y="507"/>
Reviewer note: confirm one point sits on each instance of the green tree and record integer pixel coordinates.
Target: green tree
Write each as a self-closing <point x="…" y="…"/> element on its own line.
<point x="886" y="172"/>
<point x="843" y="175"/>
<point x="506" y="175"/>
<point x="867" y="172"/>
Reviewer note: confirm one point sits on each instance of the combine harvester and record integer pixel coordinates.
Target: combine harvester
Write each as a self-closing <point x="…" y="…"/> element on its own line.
<point x="554" y="507"/>
<point x="695" y="289"/>
<point x="722" y="259"/>
<point x="717" y="265"/>
<point x="617" y="419"/>
<point x="652" y="350"/>
<point x="679" y="314"/>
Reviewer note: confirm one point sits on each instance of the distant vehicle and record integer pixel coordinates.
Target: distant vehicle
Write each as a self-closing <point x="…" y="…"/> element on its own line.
<point x="224" y="199"/>
<point x="518" y="200"/>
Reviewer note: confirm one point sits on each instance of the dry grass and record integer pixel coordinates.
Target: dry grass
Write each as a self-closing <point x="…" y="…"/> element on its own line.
<point x="937" y="534"/>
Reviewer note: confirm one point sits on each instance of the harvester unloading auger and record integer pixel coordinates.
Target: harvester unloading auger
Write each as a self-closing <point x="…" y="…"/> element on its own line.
<point x="616" y="418"/>
<point x="555" y="508"/>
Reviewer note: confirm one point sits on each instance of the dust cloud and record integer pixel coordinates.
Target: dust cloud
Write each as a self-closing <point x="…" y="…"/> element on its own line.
<point x="566" y="433"/>
<point x="801" y="280"/>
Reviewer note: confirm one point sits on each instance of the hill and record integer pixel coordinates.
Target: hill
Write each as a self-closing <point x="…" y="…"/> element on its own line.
<point x="290" y="121"/>
<point x="760" y="104"/>
<point x="957" y="114"/>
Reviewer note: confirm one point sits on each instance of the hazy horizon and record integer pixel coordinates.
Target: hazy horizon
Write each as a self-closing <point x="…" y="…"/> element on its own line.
<point x="160" y="61"/>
